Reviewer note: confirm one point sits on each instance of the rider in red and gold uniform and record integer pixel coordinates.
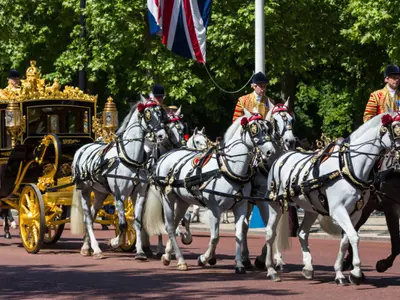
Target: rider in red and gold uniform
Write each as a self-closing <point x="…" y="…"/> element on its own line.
<point x="256" y="100"/>
<point x="386" y="99"/>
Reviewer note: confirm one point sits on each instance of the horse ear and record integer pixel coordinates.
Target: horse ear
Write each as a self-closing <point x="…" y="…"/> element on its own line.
<point x="195" y="131"/>
<point x="247" y="114"/>
<point x="143" y="99"/>
<point x="270" y="105"/>
<point x="287" y="102"/>
<point x="178" y="112"/>
<point x="202" y="130"/>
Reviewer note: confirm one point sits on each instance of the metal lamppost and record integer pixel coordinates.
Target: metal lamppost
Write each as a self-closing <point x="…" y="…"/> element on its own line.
<point x="82" y="73"/>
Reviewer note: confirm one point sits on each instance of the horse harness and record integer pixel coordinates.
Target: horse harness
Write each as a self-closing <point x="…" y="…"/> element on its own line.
<point x="295" y="187"/>
<point x="196" y="180"/>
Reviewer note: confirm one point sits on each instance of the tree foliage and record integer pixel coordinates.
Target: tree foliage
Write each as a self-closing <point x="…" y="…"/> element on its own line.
<point x="326" y="55"/>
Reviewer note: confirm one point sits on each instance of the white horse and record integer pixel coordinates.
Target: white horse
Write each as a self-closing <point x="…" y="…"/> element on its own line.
<point x="282" y="121"/>
<point x="197" y="141"/>
<point x="216" y="185"/>
<point x="175" y="129"/>
<point x="331" y="183"/>
<point x="118" y="168"/>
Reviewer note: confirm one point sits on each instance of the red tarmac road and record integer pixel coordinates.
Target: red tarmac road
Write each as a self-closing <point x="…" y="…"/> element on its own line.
<point x="60" y="272"/>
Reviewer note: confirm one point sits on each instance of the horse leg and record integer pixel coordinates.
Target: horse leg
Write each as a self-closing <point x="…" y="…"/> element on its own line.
<point x="342" y="217"/>
<point x="122" y="226"/>
<point x="214" y="219"/>
<point x="303" y="233"/>
<point x="392" y="221"/>
<point x="85" y="249"/>
<point x="88" y="220"/>
<point x="273" y="219"/>
<point x="160" y="246"/>
<point x="168" y="204"/>
<point x="366" y="212"/>
<point x="245" y="251"/>
<point x="240" y="212"/>
<point x="186" y="237"/>
<point x="7" y="234"/>
<point x="140" y="237"/>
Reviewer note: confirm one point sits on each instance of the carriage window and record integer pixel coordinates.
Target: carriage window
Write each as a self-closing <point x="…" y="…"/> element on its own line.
<point x="58" y="119"/>
<point x="5" y="137"/>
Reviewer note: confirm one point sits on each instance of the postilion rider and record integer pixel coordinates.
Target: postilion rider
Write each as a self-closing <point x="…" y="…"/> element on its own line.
<point x="386" y="99"/>
<point x="255" y="100"/>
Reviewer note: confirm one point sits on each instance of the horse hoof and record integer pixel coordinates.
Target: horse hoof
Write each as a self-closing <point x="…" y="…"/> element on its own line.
<point x="199" y="262"/>
<point x="247" y="264"/>
<point x="183" y="267"/>
<point x="341" y="281"/>
<point x="85" y="252"/>
<point x="240" y="270"/>
<point x="308" y="274"/>
<point x="381" y="266"/>
<point x="7" y="235"/>
<point x="98" y="255"/>
<point x="259" y="264"/>
<point x="274" y="278"/>
<point x="186" y="241"/>
<point x="356" y="280"/>
<point x="212" y="261"/>
<point x="165" y="261"/>
<point x="140" y="256"/>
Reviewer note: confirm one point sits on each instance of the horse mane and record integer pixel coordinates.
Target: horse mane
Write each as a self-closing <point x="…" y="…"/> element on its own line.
<point x="128" y="117"/>
<point x="232" y="129"/>
<point x="190" y="142"/>
<point x="372" y="123"/>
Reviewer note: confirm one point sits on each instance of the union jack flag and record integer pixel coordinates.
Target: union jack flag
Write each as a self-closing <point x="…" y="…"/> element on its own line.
<point x="182" y="24"/>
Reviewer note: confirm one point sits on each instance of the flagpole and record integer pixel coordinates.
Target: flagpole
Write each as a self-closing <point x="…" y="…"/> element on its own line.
<point x="259" y="37"/>
<point x="82" y="19"/>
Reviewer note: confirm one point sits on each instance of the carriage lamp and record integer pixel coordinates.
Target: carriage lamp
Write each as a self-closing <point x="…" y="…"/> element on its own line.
<point x="106" y="127"/>
<point x="110" y="116"/>
<point x="14" y="121"/>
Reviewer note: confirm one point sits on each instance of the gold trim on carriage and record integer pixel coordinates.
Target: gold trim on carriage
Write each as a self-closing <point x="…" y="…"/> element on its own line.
<point x="41" y="127"/>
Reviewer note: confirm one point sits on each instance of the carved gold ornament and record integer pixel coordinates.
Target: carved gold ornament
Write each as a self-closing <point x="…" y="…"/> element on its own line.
<point x="35" y="88"/>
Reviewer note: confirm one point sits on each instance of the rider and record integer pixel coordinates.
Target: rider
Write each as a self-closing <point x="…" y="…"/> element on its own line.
<point x="158" y="94"/>
<point x="13" y="79"/>
<point x="386" y="99"/>
<point x="255" y="100"/>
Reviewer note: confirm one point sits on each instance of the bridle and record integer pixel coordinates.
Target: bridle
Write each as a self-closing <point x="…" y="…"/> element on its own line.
<point x="283" y="110"/>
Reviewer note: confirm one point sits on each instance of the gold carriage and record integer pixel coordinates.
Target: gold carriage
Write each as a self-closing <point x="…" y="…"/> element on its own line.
<point x="41" y="127"/>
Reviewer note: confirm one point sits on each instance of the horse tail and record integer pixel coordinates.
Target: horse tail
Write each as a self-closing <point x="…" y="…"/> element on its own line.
<point x="282" y="241"/>
<point x="77" y="225"/>
<point x="329" y="226"/>
<point x="153" y="215"/>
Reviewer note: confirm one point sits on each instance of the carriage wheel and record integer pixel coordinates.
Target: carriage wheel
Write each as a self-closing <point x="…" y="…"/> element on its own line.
<point x="31" y="218"/>
<point x="54" y="232"/>
<point x="129" y="238"/>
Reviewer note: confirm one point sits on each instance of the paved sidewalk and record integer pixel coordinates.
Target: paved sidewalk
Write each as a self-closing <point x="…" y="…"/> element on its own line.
<point x="374" y="229"/>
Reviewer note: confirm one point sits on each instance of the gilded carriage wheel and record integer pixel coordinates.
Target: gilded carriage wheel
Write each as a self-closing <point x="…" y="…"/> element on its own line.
<point x="129" y="238"/>
<point x="31" y="218"/>
<point x="54" y="232"/>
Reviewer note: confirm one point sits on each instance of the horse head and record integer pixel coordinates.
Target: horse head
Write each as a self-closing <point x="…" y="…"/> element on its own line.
<point x="198" y="140"/>
<point x="282" y="121"/>
<point x="152" y="118"/>
<point x="257" y="134"/>
<point x="176" y="129"/>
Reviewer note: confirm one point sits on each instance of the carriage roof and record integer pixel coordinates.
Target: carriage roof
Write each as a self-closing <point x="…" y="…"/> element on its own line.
<point x="34" y="88"/>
